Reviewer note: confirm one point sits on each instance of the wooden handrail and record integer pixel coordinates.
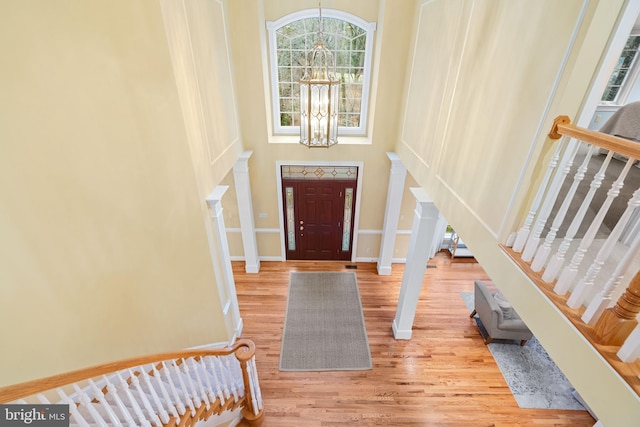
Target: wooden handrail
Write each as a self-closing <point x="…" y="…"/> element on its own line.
<point x="562" y="126"/>
<point x="243" y="348"/>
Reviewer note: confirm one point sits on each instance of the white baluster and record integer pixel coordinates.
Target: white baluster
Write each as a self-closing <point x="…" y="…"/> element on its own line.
<point x="220" y="391"/>
<point x="545" y="249"/>
<point x="162" y="413"/>
<point x="256" y="394"/>
<point x="144" y="398"/>
<point x="256" y="382"/>
<point x="132" y="401"/>
<point x="523" y="233"/>
<point x="174" y="390"/>
<point x="207" y="378"/>
<point x="630" y="350"/>
<point x="234" y="389"/>
<point x="547" y="205"/>
<point x="586" y="283"/>
<point x="570" y="271"/>
<point x="41" y="397"/>
<point x="193" y="370"/>
<point x="165" y="394"/>
<point x="224" y="378"/>
<point x="99" y="396"/>
<point x="556" y="262"/>
<point x="603" y="299"/>
<point x="84" y="399"/>
<point x="185" y="391"/>
<point x="113" y="393"/>
<point x="72" y="408"/>
<point x="196" y="397"/>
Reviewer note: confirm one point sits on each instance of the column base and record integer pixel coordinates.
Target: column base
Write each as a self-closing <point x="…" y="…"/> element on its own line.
<point x="400" y="334"/>
<point x="252" y="269"/>
<point x="384" y="270"/>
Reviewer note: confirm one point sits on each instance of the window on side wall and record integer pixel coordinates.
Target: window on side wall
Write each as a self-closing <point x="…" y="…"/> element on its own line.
<point x="624" y="75"/>
<point x="349" y="38"/>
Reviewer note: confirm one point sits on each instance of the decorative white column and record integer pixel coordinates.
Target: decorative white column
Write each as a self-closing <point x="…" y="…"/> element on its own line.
<point x="230" y="304"/>
<point x="391" y="214"/>
<point x="425" y="221"/>
<point x="245" y="212"/>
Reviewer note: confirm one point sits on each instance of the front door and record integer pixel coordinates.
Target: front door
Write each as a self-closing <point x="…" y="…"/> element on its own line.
<point x="318" y="218"/>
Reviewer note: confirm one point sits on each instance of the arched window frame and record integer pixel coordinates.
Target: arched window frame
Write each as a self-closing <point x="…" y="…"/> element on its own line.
<point x="368" y="27"/>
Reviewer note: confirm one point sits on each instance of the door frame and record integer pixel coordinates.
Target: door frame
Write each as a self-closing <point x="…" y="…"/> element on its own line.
<point x="356" y="219"/>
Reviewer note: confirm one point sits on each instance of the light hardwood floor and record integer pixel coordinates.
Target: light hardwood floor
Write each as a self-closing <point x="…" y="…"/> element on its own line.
<point x="443" y="376"/>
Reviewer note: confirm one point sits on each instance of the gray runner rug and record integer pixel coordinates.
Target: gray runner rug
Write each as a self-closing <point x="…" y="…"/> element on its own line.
<point x="324" y="326"/>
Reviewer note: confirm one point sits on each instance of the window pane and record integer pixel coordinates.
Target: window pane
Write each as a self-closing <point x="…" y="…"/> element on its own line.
<point x="282" y="41"/>
<point x="296" y="119"/>
<point x="346" y="40"/>
<point x="291" y="233"/>
<point x="284" y="74"/>
<point x="298" y="58"/>
<point x="297" y="74"/>
<point x="632" y="43"/>
<point x="284" y="58"/>
<point x="346" y="224"/>
<point x="285" y="89"/>
<point x="621" y="70"/>
<point x="286" y="104"/>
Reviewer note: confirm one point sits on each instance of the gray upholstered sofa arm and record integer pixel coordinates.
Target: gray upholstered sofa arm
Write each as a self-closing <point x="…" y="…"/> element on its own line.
<point x="486" y="305"/>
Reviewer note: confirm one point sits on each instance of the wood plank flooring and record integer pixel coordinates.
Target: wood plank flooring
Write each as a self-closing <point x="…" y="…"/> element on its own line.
<point x="443" y="376"/>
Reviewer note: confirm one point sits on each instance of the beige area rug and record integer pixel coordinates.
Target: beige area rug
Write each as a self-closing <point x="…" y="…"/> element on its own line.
<point x="324" y="326"/>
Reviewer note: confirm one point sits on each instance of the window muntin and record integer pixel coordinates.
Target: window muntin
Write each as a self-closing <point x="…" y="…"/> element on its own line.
<point x="348" y="37"/>
<point x="615" y="92"/>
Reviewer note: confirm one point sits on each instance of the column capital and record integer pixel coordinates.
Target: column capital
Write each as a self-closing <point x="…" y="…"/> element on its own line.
<point x="216" y="195"/>
<point x="396" y="164"/>
<point x="421" y="195"/>
<point x="242" y="164"/>
<point x="214" y="199"/>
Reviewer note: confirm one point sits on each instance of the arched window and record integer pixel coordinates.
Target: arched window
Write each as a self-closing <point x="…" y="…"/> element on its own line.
<point x="348" y="37"/>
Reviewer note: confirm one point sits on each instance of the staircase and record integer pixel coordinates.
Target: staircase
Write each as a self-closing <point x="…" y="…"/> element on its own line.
<point x="580" y="240"/>
<point x="170" y="389"/>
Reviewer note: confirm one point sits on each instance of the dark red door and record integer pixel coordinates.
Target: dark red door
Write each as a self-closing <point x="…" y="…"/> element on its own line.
<point x="315" y="230"/>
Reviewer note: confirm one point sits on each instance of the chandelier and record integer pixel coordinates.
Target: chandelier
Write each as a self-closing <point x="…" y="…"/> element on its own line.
<point x="319" y="91"/>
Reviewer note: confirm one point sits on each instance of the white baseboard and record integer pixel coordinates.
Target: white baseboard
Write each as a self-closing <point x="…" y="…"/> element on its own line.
<point x="366" y="259"/>
<point x="262" y="258"/>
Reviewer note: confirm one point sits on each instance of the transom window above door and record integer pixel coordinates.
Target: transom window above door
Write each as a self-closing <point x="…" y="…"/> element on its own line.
<point x="348" y="37"/>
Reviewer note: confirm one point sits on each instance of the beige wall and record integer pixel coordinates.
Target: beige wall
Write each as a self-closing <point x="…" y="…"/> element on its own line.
<point x="470" y="128"/>
<point x="248" y="37"/>
<point x="103" y="252"/>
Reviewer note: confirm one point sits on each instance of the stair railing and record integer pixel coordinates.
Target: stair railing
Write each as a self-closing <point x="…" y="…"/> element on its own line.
<point x="581" y="251"/>
<point x="167" y="389"/>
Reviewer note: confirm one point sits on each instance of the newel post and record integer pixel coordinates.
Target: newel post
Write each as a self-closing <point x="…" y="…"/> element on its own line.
<point x="253" y="411"/>
<point x="617" y="322"/>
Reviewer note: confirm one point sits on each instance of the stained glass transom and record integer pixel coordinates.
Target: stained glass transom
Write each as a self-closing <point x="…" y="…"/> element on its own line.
<point x="320" y="172"/>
